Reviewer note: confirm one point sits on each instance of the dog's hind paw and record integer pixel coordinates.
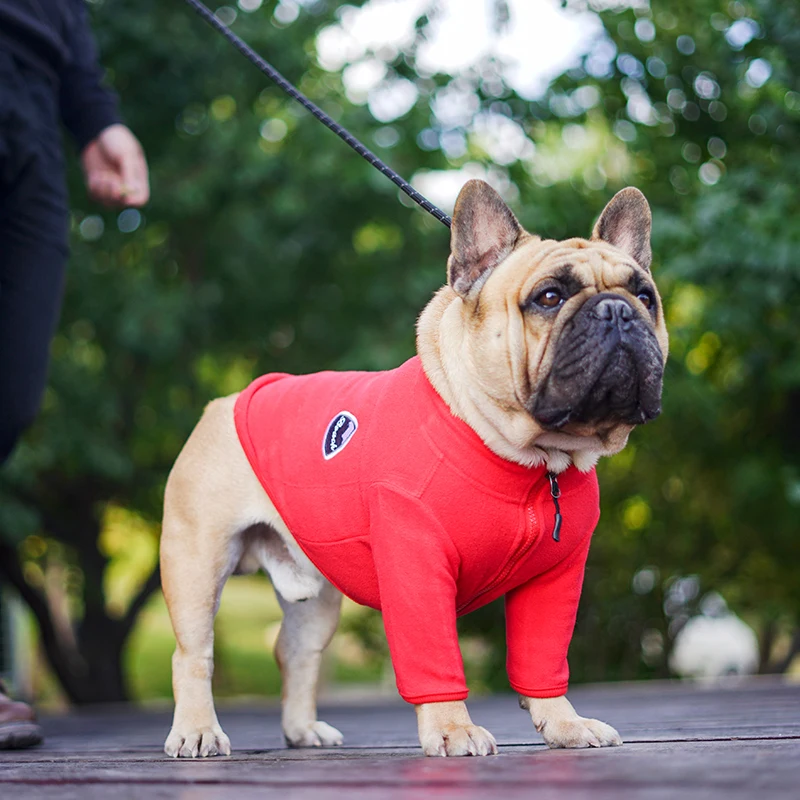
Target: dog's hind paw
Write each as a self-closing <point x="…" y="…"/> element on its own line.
<point x="202" y="742"/>
<point x="315" y="734"/>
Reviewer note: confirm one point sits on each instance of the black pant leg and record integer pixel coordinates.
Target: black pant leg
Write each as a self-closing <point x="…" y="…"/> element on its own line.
<point x="33" y="243"/>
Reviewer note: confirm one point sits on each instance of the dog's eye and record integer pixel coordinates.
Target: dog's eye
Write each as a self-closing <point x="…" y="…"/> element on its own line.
<point x="549" y="298"/>
<point x="646" y="299"/>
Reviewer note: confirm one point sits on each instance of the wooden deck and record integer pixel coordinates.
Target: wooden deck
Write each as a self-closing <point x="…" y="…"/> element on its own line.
<point x="738" y="742"/>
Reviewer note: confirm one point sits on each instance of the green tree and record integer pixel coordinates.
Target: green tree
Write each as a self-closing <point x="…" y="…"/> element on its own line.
<point x="269" y="247"/>
<point x="257" y="253"/>
<point x="704" y="96"/>
<point x="718" y="474"/>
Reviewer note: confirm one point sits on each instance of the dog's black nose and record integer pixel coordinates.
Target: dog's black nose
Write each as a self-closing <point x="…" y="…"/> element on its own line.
<point x="616" y="310"/>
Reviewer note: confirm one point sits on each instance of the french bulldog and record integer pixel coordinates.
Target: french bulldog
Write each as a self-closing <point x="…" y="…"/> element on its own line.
<point x="464" y="475"/>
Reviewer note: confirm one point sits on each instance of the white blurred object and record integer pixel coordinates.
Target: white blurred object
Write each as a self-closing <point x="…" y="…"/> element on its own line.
<point x="714" y="645"/>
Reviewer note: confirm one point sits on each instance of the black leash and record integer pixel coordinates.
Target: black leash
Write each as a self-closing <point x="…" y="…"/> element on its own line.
<point x="295" y="94"/>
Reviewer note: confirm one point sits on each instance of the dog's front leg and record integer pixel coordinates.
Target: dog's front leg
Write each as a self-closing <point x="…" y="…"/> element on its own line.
<point x="540" y="619"/>
<point x="417" y="565"/>
<point x="561" y="726"/>
<point x="445" y="729"/>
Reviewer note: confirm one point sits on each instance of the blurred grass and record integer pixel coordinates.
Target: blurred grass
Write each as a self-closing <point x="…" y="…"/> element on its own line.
<point x="245" y="631"/>
<point x="244" y="664"/>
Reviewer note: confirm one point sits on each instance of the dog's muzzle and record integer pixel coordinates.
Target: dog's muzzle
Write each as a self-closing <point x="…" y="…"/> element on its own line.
<point x="607" y="368"/>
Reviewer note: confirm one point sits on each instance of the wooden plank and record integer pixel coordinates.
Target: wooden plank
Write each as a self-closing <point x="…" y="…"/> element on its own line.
<point x="726" y="743"/>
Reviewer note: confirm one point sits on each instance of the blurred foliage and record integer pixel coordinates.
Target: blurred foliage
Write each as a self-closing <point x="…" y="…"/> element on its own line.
<point x="269" y="247"/>
<point x="712" y="90"/>
<point x="705" y="96"/>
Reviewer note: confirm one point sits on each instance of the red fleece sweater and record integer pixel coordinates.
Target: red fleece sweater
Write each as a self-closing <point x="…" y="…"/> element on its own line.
<point x="403" y="508"/>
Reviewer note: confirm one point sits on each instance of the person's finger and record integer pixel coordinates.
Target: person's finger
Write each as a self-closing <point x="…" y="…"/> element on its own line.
<point x="105" y="187"/>
<point x="133" y="171"/>
<point x="95" y="184"/>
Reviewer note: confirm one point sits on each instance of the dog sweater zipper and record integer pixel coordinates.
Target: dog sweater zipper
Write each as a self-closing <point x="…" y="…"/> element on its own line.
<point x="555" y="493"/>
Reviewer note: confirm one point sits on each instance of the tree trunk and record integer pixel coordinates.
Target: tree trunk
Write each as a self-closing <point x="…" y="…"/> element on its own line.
<point x="794" y="648"/>
<point x="89" y="665"/>
<point x="765" y="642"/>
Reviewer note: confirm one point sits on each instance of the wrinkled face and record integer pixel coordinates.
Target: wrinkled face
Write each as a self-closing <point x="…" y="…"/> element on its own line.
<point x="569" y="333"/>
<point x="587" y="335"/>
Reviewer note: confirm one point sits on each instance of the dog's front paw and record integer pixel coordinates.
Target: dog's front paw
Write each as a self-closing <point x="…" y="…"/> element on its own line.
<point x="579" y="732"/>
<point x="315" y="734"/>
<point x="201" y="742"/>
<point x="458" y="740"/>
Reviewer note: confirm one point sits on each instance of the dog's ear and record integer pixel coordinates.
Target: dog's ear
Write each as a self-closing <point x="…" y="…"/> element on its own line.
<point x="483" y="233"/>
<point x="625" y="223"/>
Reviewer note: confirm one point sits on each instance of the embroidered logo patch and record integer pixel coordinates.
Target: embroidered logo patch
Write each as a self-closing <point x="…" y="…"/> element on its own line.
<point x="340" y="431"/>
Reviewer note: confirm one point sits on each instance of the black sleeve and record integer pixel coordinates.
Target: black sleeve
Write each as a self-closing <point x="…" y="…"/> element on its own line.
<point x="87" y="106"/>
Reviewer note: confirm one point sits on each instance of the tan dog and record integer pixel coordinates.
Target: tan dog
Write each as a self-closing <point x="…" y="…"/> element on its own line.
<point x="550" y="351"/>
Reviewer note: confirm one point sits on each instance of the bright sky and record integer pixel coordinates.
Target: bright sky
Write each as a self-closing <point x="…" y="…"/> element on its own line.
<point x="539" y="42"/>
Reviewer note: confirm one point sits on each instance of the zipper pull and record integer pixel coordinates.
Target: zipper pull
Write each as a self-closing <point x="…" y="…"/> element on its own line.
<point x="555" y="493"/>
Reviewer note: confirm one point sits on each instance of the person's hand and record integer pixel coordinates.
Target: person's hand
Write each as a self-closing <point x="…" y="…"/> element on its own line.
<point x="115" y="169"/>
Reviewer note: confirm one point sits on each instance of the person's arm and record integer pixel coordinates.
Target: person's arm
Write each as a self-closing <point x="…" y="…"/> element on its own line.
<point x="114" y="165"/>
<point x="540" y="618"/>
<point x="87" y="105"/>
<point x="417" y="566"/>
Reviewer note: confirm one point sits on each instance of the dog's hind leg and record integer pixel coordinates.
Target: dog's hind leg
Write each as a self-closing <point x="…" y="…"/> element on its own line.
<point x="193" y="581"/>
<point x="306" y="630"/>
<point x="210" y="498"/>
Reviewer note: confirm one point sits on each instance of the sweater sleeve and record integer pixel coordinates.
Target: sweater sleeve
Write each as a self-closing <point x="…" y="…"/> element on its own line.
<point x="87" y="106"/>
<point x="540" y="618"/>
<point x="417" y="565"/>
